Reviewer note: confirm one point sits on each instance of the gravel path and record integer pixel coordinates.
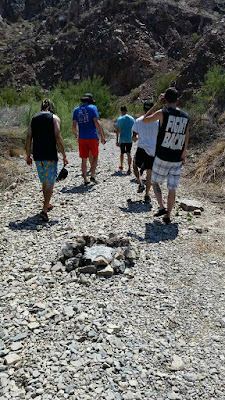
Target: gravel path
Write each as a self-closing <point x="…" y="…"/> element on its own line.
<point x="157" y="336"/>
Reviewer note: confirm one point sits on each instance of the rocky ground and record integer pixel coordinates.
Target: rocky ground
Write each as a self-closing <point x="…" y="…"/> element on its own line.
<point x="156" y="336"/>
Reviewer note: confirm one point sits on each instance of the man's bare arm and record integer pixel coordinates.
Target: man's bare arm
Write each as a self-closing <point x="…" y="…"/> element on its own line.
<point x="99" y="127"/>
<point x="157" y="116"/>
<point x="28" y="145"/>
<point x="117" y="135"/>
<point x="183" y="157"/>
<point x="58" y="138"/>
<point x="75" y="130"/>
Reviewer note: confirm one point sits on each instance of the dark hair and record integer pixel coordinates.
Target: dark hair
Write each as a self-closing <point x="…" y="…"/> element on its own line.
<point x="48" y="105"/>
<point x="148" y="104"/>
<point x="123" y="108"/>
<point x="171" y="95"/>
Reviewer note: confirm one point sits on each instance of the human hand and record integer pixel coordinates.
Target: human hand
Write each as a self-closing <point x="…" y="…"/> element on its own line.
<point x="76" y="136"/>
<point x="29" y="161"/>
<point x="117" y="143"/>
<point x="103" y="141"/>
<point x="183" y="159"/>
<point x="160" y="98"/>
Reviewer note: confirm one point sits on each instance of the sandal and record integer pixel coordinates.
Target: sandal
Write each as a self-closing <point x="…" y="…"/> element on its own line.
<point x="86" y="183"/>
<point x="50" y="208"/>
<point x="44" y="216"/>
<point x="163" y="211"/>
<point x="166" y="220"/>
<point x="93" y="180"/>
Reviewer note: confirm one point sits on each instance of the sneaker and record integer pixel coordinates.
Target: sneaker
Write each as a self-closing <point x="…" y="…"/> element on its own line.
<point x="141" y="188"/>
<point x="163" y="211"/>
<point x="93" y="180"/>
<point x="129" y="171"/>
<point x="147" y="199"/>
<point x="120" y="167"/>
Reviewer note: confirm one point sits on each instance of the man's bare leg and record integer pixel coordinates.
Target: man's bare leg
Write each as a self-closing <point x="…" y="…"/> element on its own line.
<point x="137" y="173"/>
<point x="129" y="159"/>
<point x="158" y="195"/>
<point x="148" y="181"/>
<point x="90" y="158"/>
<point x="170" y="201"/>
<point x="84" y="169"/>
<point x="121" y="159"/>
<point x="47" y="189"/>
<point x="94" y="166"/>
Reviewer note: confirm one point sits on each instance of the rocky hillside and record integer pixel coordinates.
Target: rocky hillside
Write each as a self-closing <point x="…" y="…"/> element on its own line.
<point x="128" y="42"/>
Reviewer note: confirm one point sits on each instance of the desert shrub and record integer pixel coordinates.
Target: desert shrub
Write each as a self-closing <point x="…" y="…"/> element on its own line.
<point x="211" y="165"/>
<point x="196" y="37"/>
<point x="214" y="83"/>
<point x="165" y="81"/>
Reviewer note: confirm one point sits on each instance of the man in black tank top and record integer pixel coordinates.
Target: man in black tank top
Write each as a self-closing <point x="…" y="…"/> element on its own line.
<point x="44" y="133"/>
<point x="171" y="149"/>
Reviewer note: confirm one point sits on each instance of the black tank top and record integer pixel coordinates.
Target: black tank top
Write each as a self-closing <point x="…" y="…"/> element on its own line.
<point x="44" y="143"/>
<point x="171" y="136"/>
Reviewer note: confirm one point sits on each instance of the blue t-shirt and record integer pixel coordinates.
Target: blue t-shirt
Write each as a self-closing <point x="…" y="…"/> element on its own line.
<point x="125" y="123"/>
<point x="84" y="115"/>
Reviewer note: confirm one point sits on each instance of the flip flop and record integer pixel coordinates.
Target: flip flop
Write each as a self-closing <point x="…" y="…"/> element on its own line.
<point x="44" y="216"/>
<point x="163" y="211"/>
<point x="50" y="208"/>
<point x="166" y="220"/>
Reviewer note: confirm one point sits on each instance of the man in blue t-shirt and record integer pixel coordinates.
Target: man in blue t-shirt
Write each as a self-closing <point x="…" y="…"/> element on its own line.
<point x="124" y="136"/>
<point x="87" y="119"/>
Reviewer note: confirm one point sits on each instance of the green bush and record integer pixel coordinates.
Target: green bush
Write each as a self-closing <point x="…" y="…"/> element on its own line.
<point x="165" y="81"/>
<point x="214" y="83"/>
<point x="196" y="37"/>
<point x="66" y="96"/>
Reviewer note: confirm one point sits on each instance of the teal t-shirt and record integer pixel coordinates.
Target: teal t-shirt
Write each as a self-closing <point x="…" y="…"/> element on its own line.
<point x="125" y="123"/>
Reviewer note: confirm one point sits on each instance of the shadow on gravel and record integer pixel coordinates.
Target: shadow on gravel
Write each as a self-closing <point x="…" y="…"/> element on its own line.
<point x="78" y="189"/>
<point x="157" y="231"/>
<point x="119" y="173"/>
<point x="136" y="207"/>
<point x="31" y="224"/>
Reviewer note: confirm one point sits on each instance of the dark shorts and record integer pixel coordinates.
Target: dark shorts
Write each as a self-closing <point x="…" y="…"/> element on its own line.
<point x="142" y="159"/>
<point x="125" y="147"/>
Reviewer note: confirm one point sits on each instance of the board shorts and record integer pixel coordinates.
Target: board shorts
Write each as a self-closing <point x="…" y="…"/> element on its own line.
<point x="166" y="169"/>
<point x="47" y="171"/>
<point x="142" y="159"/>
<point x="125" y="147"/>
<point x="86" y="146"/>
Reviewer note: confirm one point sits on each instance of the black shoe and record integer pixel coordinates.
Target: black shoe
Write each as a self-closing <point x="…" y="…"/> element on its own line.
<point x="147" y="200"/>
<point x="141" y="188"/>
<point x="163" y="211"/>
<point x="86" y="183"/>
<point x="44" y="216"/>
<point x="93" y="180"/>
<point x="166" y="220"/>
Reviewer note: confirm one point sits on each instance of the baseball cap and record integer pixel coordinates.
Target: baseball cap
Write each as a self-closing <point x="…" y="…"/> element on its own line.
<point x="148" y="104"/>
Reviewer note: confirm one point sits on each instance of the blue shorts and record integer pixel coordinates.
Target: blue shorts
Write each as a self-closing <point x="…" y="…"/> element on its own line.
<point x="47" y="171"/>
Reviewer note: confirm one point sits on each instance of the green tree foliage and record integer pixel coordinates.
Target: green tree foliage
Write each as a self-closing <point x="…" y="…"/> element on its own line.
<point x="66" y="96"/>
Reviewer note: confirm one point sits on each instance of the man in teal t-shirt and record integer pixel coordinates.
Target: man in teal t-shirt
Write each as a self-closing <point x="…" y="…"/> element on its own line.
<point x="124" y="136"/>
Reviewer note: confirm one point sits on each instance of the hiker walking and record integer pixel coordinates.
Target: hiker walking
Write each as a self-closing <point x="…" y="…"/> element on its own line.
<point x="86" y="118"/>
<point x="124" y="136"/>
<point x="146" y="134"/>
<point x="44" y="132"/>
<point x="171" y="149"/>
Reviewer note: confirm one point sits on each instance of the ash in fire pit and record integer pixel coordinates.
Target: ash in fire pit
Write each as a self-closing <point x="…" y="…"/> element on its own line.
<point x="102" y="256"/>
